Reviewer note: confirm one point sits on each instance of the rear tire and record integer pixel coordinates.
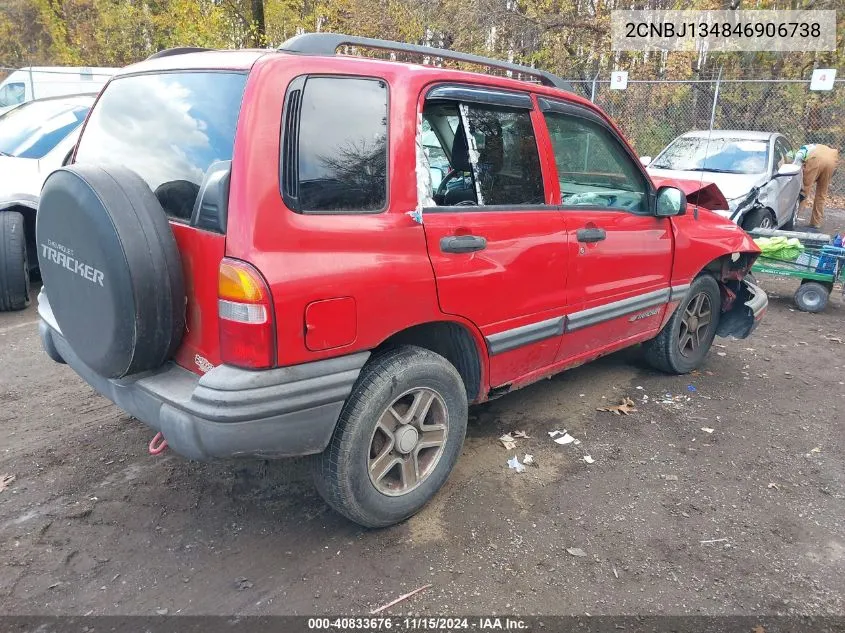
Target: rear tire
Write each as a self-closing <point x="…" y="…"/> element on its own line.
<point x="759" y="219"/>
<point x="362" y="473"/>
<point x="14" y="262"/>
<point x="811" y="297"/>
<point x="673" y="351"/>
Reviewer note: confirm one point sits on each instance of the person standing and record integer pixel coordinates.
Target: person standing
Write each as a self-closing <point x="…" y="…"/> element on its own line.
<point x="819" y="163"/>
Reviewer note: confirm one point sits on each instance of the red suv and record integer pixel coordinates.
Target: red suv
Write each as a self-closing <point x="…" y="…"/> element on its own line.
<point x="303" y="253"/>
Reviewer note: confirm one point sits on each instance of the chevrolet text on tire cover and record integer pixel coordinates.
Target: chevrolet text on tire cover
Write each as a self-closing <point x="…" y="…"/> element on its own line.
<point x="345" y="290"/>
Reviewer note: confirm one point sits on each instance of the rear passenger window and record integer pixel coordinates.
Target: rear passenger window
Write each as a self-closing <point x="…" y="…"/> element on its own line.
<point x="496" y="163"/>
<point x="508" y="161"/>
<point x="335" y="149"/>
<point x="593" y="168"/>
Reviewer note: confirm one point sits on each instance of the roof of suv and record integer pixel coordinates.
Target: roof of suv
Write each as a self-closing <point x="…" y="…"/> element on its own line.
<point x="242" y="59"/>
<point x="325" y="45"/>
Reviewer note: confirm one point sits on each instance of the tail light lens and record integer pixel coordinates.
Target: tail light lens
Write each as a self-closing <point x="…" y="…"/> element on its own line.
<point x="247" y="337"/>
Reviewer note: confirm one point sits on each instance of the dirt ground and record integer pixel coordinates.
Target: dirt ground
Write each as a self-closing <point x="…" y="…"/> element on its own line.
<point x="672" y="519"/>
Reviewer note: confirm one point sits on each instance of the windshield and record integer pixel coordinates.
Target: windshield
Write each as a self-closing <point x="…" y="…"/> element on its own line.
<point x="35" y="128"/>
<point x="720" y="155"/>
<point x="169" y="128"/>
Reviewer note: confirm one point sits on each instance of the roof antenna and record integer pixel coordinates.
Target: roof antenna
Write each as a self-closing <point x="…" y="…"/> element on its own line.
<point x="709" y="134"/>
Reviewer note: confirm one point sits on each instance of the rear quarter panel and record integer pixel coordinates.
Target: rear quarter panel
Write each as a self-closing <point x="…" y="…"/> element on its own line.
<point x="377" y="259"/>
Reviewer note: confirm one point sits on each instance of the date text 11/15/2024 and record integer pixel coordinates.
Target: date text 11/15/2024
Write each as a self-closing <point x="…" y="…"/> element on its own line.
<point x="408" y="623"/>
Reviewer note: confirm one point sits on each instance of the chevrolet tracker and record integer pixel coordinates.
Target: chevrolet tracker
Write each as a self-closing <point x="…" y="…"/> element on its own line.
<point x="296" y="252"/>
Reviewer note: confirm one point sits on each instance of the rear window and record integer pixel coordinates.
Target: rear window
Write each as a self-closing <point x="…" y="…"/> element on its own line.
<point x="169" y="128"/>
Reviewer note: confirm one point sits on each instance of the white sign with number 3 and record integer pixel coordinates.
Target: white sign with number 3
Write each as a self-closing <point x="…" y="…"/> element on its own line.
<point x="823" y="79"/>
<point x="619" y="80"/>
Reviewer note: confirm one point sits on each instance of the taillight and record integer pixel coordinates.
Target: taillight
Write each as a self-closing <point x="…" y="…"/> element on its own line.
<point x="246" y="316"/>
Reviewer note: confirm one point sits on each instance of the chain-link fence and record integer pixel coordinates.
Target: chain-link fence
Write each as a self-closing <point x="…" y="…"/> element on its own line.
<point x="652" y="113"/>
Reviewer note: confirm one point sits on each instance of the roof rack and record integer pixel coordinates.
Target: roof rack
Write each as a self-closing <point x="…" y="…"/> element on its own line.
<point x="179" y="50"/>
<point x="328" y="43"/>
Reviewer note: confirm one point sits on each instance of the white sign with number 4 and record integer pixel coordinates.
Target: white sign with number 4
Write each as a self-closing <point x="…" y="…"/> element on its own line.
<point x="823" y="79"/>
<point x="619" y="80"/>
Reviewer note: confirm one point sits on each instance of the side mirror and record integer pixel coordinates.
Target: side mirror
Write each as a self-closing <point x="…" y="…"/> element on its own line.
<point x="788" y="169"/>
<point x="645" y="160"/>
<point x="670" y="202"/>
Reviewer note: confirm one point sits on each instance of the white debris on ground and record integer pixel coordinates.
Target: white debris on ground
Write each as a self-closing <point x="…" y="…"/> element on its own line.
<point x="515" y="464"/>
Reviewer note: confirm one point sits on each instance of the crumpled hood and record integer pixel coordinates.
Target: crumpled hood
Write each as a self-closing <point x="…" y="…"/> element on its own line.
<point x="732" y="186"/>
<point x="19" y="176"/>
<point x="700" y="193"/>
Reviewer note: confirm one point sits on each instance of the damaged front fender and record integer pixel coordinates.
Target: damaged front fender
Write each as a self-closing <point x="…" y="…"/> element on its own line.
<point x="745" y="310"/>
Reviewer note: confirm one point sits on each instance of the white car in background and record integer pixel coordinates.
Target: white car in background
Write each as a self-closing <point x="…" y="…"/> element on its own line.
<point x="40" y="82"/>
<point x="737" y="162"/>
<point x="36" y="138"/>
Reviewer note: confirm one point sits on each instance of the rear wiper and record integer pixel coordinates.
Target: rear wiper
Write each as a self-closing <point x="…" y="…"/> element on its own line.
<point x="2" y="153"/>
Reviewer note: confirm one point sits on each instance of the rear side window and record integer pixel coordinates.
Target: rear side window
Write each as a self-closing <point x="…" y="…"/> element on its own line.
<point x="169" y="128"/>
<point x="508" y="162"/>
<point x="335" y="147"/>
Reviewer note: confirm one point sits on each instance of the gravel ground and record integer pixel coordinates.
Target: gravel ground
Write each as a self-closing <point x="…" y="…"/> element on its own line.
<point x="670" y="518"/>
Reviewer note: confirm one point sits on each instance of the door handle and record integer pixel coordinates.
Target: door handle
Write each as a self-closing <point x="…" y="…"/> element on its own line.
<point x="462" y="244"/>
<point x="590" y="235"/>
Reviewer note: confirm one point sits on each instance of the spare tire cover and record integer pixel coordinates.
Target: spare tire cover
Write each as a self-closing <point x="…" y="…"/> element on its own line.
<point x="111" y="268"/>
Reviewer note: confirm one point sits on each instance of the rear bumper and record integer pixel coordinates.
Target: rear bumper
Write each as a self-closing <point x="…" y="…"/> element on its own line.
<point x="227" y="412"/>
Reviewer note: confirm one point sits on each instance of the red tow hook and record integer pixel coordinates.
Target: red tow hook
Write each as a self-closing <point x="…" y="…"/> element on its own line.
<point x="158" y="444"/>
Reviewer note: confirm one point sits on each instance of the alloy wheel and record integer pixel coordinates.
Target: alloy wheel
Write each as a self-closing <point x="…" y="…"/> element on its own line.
<point x="697" y="317"/>
<point x="408" y="441"/>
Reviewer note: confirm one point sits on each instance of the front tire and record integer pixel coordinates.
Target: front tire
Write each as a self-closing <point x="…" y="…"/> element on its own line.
<point x="397" y="439"/>
<point x="14" y="263"/>
<point x="684" y="341"/>
<point x="759" y="219"/>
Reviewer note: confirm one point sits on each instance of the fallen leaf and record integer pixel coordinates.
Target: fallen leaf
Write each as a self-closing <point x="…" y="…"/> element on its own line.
<point x="624" y="408"/>
<point x="706" y="429"/>
<point x="758" y="629"/>
<point x="576" y="551"/>
<point x="529" y="460"/>
<point x="6" y="481"/>
<point x="521" y="434"/>
<point x="507" y="442"/>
